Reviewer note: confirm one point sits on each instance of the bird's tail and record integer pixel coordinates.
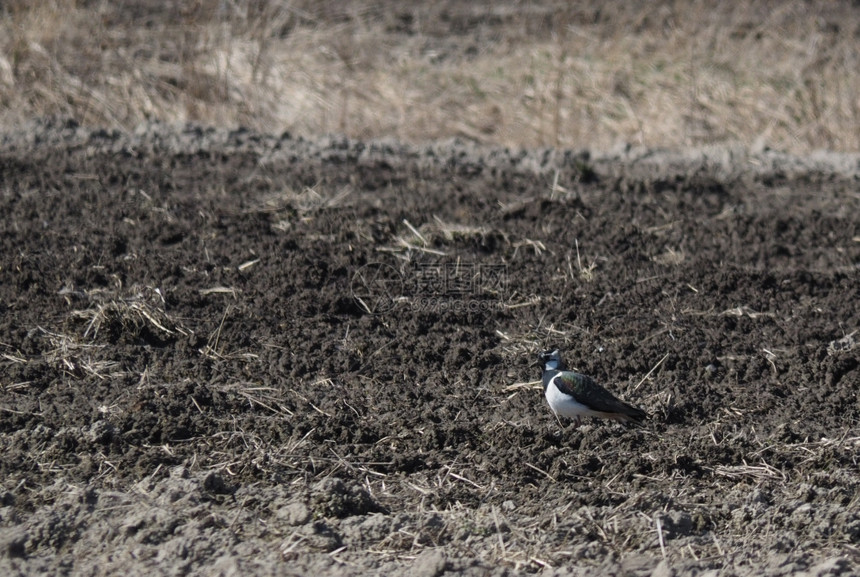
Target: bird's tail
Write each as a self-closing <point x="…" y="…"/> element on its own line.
<point x="630" y="415"/>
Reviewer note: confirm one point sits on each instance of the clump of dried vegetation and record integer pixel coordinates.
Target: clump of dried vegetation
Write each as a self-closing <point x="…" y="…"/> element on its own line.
<point x="545" y="74"/>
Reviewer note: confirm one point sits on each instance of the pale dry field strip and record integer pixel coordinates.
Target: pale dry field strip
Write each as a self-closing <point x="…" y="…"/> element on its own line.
<point x="783" y="75"/>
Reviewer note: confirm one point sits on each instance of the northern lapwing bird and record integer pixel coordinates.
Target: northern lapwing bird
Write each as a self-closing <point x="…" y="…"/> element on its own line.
<point x="574" y="396"/>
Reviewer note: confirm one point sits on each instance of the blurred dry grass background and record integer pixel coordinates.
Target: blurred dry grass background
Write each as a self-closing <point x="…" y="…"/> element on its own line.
<point x="515" y="73"/>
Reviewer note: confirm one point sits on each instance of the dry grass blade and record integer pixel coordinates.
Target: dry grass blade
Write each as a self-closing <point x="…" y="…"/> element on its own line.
<point x="530" y="302"/>
<point x="141" y="312"/>
<point x="763" y="471"/>
<point x="744" y="310"/>
<point x="452" y="231"/>
<point x="723" y="75"/>
<point x="15" y="359"/>
<point x="17" y="386"/>
<point x="411" y="247"/>
<point x="211" y="348"/>
<point x="499" y="531"/>
<point x="78" y="359"/>
<point x="219" y="290"/>
<point x="415" y="232"/>
<point x="648" y="374"/>
<point x="260" y="396"/>
<point x="587" y="273"/>
<point x="537" y="246"/>
<point x="541" y="471"/>
<point x="659" y="526"/>
<point x="521" y="386"/>
<point x="305" y="202"/>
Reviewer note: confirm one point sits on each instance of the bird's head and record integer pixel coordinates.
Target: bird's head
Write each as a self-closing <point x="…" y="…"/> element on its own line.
<point x="550" y="361"/>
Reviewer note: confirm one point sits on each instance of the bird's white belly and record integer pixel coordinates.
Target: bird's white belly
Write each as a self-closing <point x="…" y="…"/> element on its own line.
<point x="565" y="406"/>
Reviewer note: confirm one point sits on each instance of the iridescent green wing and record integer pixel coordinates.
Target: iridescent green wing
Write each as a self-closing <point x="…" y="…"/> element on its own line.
<point x="592" y="395"/>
